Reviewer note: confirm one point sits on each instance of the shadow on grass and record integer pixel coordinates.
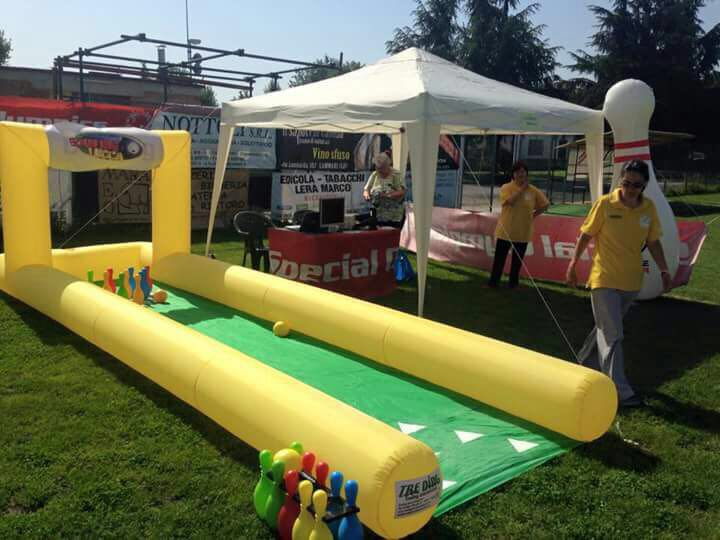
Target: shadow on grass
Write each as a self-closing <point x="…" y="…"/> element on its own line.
<point x="618" y="453"/>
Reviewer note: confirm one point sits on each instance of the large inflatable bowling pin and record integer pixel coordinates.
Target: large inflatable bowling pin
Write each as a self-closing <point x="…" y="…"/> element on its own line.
<point x="628" y="107"/>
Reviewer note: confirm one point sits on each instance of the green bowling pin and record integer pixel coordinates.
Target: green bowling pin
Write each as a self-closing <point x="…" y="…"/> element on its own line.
<point x="264" y="485"/>
<point x="298" y="447"/>
<point x="122" y="291"/>
<point x="277" y="496"/>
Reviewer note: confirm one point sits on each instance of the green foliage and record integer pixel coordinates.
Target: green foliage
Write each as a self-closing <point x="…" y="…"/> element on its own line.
<point x="498" y="40"/>
<point x="435" y="30"/>
<point x="311" y="75"/>
<point x="5" y="48"/>
<point x="662" y="43"/>
<point x="207" y="97"/>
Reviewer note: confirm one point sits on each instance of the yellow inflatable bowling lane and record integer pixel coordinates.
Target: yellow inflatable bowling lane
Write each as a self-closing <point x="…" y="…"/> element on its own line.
<point x="261" y="405"/>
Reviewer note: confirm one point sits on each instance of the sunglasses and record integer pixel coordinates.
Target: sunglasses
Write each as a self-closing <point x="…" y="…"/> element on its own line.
<point x="636" y="185"/>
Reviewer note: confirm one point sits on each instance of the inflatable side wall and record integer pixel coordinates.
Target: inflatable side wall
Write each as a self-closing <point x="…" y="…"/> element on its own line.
<point x="260" y="405"/>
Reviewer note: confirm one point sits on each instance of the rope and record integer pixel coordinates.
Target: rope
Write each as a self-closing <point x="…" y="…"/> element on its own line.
<point x="544" y="300"/>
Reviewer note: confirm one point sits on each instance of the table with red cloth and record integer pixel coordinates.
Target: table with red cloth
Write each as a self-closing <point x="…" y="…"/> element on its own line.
<point x="355" y="263"/>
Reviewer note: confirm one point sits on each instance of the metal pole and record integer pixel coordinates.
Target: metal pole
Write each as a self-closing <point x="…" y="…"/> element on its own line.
<point x="187" y="31"/>
<point x="495" y="170"/>
<point x="82" y="76"/>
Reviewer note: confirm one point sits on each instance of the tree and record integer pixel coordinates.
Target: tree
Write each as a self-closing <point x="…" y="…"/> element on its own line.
<point x="435" y="30"/>
<point x="505" y="45"/>
<point x="315" y="74"/>
<point x="272" y="86"/>
<point x="5" y="48"/>
<point x="497" y="41"/>
<point x="662" y="43"/>
<point x="207" y="97"/>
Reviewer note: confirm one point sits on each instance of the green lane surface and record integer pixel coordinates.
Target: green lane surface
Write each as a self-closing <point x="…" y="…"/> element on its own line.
<point x="478" y="447"/>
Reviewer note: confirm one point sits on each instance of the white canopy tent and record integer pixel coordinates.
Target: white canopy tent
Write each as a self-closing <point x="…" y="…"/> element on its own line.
<point x="413" y="96"/>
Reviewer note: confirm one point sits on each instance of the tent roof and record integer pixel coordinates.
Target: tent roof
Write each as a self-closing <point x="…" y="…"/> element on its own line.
<point x="412" y="86"/>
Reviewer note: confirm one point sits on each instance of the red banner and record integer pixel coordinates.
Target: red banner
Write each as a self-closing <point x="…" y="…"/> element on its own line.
<point x="49" y="111"/>
<point x="356" y="263"/>
<point x="467" y="238"/>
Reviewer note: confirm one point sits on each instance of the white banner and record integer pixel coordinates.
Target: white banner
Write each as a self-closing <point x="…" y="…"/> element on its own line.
<point x="301" y="190"/>
<point x="252" y="148"/>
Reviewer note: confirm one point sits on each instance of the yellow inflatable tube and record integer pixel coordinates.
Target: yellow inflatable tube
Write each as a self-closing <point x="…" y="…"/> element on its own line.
<point x="262" y="406"/>
<point x="569" y="399"/>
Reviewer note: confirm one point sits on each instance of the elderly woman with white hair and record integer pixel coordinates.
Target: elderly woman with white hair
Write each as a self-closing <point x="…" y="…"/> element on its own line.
<point x="386" y="189"/>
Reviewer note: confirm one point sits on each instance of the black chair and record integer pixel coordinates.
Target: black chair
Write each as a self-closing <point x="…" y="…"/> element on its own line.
<point x="298" y="216"/>
<point x="253" y="226"/>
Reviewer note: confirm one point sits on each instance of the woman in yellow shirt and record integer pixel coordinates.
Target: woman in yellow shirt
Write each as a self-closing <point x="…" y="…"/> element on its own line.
<point x="521" y="204"/>
<point x="621" y="223"/>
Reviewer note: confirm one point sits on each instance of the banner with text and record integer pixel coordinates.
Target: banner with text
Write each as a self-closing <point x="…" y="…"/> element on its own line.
<point x="301" y="190"/>
<point x="356" y="263"/>
<point x="446" y="187"/>
<point x="252" y="148"/>
<point x="125" y="196"/>
<point x="467" y="238"/>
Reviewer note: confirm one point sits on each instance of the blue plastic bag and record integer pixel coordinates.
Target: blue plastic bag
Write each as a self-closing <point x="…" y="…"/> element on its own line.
<point x="403" y="268"/>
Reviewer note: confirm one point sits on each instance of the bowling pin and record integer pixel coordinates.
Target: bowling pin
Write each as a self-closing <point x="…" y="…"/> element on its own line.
<point x="106" y="281"/>
<point x="335" y="502"/>
<point x="277" y="496"/>
<point x="149" y="279"/>
<point x="289" y="457"/>
<point x="350" y="526"/>
<point x="321" y="473"/>
<point x="628" y="107"/>
<point x="305" y="522"/>
<point x="298" y="447"/>
<point x="121" y="290"/>
<point x="143" y="284"/>
<point x="111" y="281"/>
<point x="127" y="286"/>
<point x="264" y="485"/>
<point x="290" y="509"/>
<point x="138" y="296"/>
<point x="320" y="530"/>
<point x="90" y="276"/>
<point x="308" y="462"/>
<point x="131" y="279"/>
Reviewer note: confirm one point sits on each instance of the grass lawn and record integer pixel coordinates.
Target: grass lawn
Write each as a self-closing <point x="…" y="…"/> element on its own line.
<point x="90" y="448"/>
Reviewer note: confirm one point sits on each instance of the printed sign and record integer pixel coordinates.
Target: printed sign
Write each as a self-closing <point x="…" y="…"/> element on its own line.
<point x="125" y="196"/>
<point x="412" y="496"/>
<point x="74" y="147"/>
<point x="446" y="188"/>
<point x="252" y="148"/>
<point x="468" y="238"/>
<point x="356" y="263"/>
<point x="301" y="190"/>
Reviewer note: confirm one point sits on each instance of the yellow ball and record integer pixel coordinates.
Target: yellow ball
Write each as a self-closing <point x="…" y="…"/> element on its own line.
<point x="160" y="297"/>
<point x="281" y="329"/>
<point x="290" y="458"/>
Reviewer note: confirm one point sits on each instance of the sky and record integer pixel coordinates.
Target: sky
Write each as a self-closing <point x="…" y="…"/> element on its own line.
<point x="294" y="29"/>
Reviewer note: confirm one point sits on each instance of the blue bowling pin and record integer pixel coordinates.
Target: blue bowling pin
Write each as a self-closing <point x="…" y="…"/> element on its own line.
<point x="131" y="279"/>
<point x="350" y="526"/>
<point x="144" y="285"/>
<point x="335" y="502"/>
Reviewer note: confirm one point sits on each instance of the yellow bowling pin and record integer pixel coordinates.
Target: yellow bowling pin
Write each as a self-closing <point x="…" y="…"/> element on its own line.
<point x="305" y="522"/>
<point x="138" y="296"/>
<point x="320" y="530"/>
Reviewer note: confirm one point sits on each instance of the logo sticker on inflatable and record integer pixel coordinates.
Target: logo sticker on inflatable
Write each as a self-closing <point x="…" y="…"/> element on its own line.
<point x="417" y="494"/>
<point x="74" y="147"/>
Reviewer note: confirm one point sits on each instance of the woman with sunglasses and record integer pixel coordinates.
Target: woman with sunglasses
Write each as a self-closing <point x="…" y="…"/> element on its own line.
<point x="621" y="223"/>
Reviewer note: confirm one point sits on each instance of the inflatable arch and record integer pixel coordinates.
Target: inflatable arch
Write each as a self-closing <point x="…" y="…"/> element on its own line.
<point x="262" y="406"/>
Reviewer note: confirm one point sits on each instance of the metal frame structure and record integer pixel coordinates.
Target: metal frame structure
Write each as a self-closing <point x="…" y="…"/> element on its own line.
<point x="190" y="72"/>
